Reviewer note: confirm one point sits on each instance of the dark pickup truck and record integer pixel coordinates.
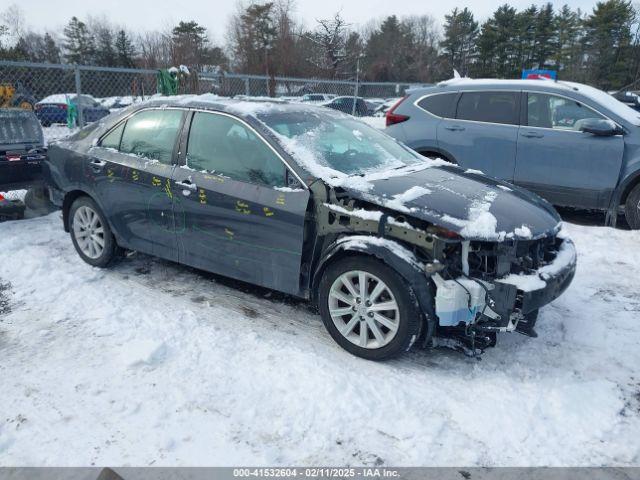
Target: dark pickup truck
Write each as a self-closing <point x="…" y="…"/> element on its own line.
<point x="22" y="150"/>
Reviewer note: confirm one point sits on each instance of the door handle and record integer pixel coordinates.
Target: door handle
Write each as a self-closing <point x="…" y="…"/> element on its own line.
<point x="97" y="165"/>
<point x="454" y="128"/>
<point x="187" y="184"/>
<point x="532" y="135"/>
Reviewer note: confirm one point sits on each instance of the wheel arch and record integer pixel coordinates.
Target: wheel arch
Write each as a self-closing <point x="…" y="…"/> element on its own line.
<point x="620" y="196"/>
<point x="438" y="153"/>
<point x="70" y="197"/>
<point x="632" y="181"/>
<point x="413" y="275"/>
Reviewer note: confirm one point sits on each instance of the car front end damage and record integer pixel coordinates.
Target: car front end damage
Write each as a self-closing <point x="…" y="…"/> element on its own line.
<point x="477" y="288"/>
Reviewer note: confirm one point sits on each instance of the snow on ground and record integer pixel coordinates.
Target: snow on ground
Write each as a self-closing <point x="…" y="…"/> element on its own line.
<point x="152" y="363"/>
<point x="57" y="132"/>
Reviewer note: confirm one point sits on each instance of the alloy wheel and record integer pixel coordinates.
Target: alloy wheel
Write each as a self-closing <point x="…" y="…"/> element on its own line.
<point x="88" y="232"/>
<point x="363" y="309"/>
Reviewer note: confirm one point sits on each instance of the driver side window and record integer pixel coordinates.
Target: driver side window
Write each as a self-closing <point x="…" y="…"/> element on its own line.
<point x="558" y="113"/>
<point x="223" y="145"/>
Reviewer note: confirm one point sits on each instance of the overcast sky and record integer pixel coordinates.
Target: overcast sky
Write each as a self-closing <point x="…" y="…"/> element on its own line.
<point x="140" y="15"/>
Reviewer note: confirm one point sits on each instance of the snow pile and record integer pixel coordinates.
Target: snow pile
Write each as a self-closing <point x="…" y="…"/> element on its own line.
<point x="142" y="352"/>
<point x="253" y="377"/>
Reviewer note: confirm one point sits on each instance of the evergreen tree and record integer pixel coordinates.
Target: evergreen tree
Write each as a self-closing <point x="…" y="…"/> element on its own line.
<point x="608" y="39"/>
<point x="189" y="41"/>
<point x="460" y="36"/>
<point x="568" y="47"/>
<point x="105" y="54"/>
<point x="254" y="36"/>
<point x="524" y="39"/>
<point x="388" y="53"/>
<point x="499" y="48"/>
<point x="79" y="44"/>
<point x="544" y="36"/>
<point x="124" y="50"/>
<point x="51" y="51"/>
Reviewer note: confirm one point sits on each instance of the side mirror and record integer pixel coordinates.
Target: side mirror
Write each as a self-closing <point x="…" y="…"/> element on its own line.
<point x="599" y="127"/>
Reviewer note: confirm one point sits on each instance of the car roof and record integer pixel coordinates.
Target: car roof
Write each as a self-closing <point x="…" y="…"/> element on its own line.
<point x="494" y="83"/>
<point x="578" y="91"/>
<point x="249" y="107"/>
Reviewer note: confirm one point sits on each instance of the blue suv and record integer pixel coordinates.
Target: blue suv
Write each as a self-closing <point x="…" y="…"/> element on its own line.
<point x="572" y="144"/>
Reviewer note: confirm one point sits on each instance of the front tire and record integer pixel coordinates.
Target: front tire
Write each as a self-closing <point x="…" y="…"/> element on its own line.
<point x="90" y="233"/>
<point x="368" y="308"/>
<point x="632" y="208"/>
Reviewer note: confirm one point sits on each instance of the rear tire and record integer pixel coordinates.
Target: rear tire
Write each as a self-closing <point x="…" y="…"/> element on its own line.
<point x="90" y="233"/>
<point x="377" y="322"/>
<point x="632" y="208"/>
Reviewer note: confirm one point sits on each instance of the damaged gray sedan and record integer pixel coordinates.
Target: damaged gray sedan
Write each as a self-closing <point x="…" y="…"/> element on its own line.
<point x="394" y="249"/>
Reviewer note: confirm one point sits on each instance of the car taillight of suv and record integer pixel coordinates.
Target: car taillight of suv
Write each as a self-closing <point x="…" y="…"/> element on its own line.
<point x="393" y="118"/>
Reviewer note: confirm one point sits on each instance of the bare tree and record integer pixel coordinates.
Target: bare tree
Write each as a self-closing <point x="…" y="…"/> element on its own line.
<point x="330" y="38"/>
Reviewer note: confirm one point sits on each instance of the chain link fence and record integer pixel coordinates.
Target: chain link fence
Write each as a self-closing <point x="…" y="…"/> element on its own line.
<point x="77" y="95"/>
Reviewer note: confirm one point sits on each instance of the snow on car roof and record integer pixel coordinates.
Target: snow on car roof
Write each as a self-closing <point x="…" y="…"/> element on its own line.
<point x="58" y="98"/>
<point x="600" y="97"/>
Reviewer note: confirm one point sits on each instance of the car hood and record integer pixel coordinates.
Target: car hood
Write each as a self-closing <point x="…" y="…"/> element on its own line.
<point x="468" y="203"/>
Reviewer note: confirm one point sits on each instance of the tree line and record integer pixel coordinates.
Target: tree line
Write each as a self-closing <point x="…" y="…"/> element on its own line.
<point x="600" y="47"/>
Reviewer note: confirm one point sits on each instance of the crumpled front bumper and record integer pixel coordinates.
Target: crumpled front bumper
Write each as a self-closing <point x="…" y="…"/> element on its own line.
<point x="526" y="293"/>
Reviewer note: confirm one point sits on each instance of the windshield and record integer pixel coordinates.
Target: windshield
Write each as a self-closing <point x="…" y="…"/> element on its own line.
<point x="338" y="142"/>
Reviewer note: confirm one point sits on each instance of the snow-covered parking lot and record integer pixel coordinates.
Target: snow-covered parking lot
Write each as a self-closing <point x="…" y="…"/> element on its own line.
<point x="152" y="363"/>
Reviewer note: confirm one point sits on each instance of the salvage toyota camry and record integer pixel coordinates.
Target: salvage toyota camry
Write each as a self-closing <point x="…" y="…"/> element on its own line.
<point x="394" y="249"/>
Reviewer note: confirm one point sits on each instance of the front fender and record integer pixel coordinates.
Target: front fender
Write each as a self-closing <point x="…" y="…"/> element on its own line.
<point x="393" y="254"/>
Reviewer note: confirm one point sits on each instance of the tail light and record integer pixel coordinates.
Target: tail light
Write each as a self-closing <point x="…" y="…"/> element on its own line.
<point x="393" y="118"/>
<point x="63" y="106"/>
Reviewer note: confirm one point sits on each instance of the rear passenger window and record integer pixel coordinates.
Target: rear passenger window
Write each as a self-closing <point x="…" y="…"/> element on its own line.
<point x="493" y="107"/>
<point x="152" y="134"/>
<point x="440" y="105"/>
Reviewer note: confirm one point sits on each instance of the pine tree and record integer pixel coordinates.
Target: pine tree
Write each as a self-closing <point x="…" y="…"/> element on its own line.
<point x="189" y="41"/>
<point x="105" y="53"/>
<point x="51" y="51"/>
<point x="524" y="40"/>
<point x="460" y="35"/>
<point x="499" y="44"/>
<point x="79" y="44"/>
<point x="389" y="55"/>
<point x="608" y="39"/>
<point x="545" y="32"/>
<point x="124" y="50"/>
<point x="567" y="43"/>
